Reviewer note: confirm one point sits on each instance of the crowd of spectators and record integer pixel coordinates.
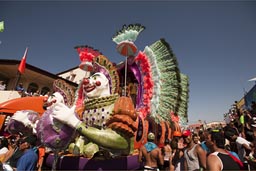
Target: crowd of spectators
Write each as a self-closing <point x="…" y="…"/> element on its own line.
<point x="18" y="152"/>
<point x="226" y="147"/>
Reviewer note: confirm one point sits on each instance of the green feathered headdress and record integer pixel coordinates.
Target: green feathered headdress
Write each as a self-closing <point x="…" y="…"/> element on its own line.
<point x="128" y="33"/>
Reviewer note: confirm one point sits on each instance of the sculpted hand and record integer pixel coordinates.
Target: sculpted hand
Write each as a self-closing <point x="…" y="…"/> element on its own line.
<point x="66" y="115"/>
<point x="22" y="116"/>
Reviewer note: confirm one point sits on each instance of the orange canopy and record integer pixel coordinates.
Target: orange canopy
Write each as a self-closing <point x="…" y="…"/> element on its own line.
<point x="23" y="103"/>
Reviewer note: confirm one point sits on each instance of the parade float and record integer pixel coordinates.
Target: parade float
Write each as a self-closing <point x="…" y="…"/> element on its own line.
<point x="97" y="127"/>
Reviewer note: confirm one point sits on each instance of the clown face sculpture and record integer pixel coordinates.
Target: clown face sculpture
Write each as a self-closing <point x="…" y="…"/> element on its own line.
<point x="96" y="86"/>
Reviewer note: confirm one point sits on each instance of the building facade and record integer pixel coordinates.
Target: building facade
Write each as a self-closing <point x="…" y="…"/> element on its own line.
<point x="34" y="80"/>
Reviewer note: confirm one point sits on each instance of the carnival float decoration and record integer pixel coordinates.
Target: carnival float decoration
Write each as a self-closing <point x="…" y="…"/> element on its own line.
<point x="95" y="114"/>
<point x="51" y="133"/>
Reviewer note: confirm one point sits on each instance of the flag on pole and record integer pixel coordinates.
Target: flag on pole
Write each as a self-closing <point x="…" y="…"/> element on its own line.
<point x="1" y="26"/>
<point x="22" y="65"/>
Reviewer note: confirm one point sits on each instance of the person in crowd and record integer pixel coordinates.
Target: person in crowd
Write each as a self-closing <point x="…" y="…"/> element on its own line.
<point x="177" y="145"/>
<point x="253" y="108"/>
<point x="177" y="157"/>
<point x="227" y="147"/>
<point x="251" y="158"/>
<point x="20" y="88"/>
<point x="244" y="147"/>
<point x="3" y="145"/>
<point x="14" y="153"/>
<point x="29" y="159"/>
<point x="203" y="136"/>
<point x="41" y="155"/>
<point x="195" y="156"/>
<point x="177" y="136"/>
<point x="220" y="159"/>
<point x="3" y="148"/>
<point x="37" y="93"/>
<point x="247" y="127"/>
<point x="151" y="154"/>
<point x="231" y="128"/>
<point x="241" y="124"/>
<point x="196" y="138"/>
<point x="2" y="85"/>
<point x="167" y="152"/>
<point x="47" y="94"/>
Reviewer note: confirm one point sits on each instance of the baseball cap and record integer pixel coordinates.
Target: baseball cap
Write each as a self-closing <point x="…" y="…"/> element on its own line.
<point x="151" y="136"/>
<point x="186" y="133"/>
<point x="177" y="134"/>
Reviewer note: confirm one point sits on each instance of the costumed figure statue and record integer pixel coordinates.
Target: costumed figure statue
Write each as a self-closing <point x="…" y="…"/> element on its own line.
<point x="110" y="121"/>
<point x="103" y="125"/>
<point x="107" y="120"/>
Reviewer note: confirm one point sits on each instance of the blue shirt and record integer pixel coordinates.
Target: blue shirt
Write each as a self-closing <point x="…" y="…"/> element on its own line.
<point x="27" y="161"/>
<point x="234" y="154"/>
<point x="203" y="145"/>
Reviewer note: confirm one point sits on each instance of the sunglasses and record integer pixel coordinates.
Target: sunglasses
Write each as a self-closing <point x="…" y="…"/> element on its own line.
<point x="22" y="141"/>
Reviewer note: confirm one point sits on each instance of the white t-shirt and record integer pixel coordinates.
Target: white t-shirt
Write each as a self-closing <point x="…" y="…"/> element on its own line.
<point x="241" y="151"/>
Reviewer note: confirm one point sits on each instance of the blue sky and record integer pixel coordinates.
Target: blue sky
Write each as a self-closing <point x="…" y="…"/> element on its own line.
<point x="214" y="41"/>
